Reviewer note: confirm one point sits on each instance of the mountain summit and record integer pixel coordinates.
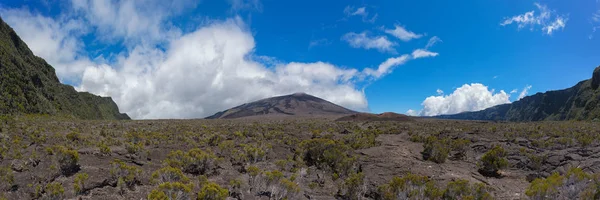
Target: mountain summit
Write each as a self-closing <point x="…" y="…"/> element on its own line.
<point x="29" y="85"/>
<point x="580" y="102"/>
<point x="297" y="104"/>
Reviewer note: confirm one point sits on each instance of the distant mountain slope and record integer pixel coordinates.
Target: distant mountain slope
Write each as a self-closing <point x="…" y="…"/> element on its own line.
<point x="580" y="102"/>
<point x="29" y="85"/>
<point x="387" y="116"/>
<point x="298" y="104"/>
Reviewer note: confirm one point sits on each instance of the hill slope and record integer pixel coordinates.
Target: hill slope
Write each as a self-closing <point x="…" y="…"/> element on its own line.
<point x="580" y="102"/>
<point x="298" y="104"/>
<point x="29" y="85"/>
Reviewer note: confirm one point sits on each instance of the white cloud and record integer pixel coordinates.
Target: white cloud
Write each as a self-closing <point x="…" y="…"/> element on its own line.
<point x="514" y="91"/>
<point x="387" y="66"/>
<point x="350" y="11"/>
<point x="132" y="21"/>
<point x="422" y="53"/>
<point x="469" y="97"/>
<point x="595" y="20"/>
<point x="524" y="92"/>
<point x="238" y="5"/>
<point x="439" y="92"/>
<point x="54" y="40"/>
<point x="432" y="41"/>
<point x="411" y="112"/>
<point x="547" y="19"/>
<point x="165" y="73"/>
<point x="363" y="40"/>
<point x="403" y="34"/>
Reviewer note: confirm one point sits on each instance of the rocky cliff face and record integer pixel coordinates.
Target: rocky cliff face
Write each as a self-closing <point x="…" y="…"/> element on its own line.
<point x="580" y="102"/>
<point x="29" y="85"/>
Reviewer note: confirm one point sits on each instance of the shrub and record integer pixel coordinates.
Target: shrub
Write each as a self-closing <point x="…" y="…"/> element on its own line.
<point x="327" y="154"/>
<point x="104" y="149"/>
<point x="410" y="186"/>
<point x="171" y="190"/>
<point x="235" y="189"/>
<point x="74" y="136"/>
<point x="7" y="178"/>
<point x="353" y="187"/>
<point x="435" y="150"/>
<point x="54" y="191"/>
<point x="492" y="161"/>
<point x="461" y="189"/>
<point x="79" y="182"/>
<point x="195" y="161"/>
<point x="134" y="148"/>
<point x="67" y="160"/>
<point x="125" y="175"/>
<point x="169" y="174"/>
<point x="575" y="184"/>
<point x="212" y="191"/>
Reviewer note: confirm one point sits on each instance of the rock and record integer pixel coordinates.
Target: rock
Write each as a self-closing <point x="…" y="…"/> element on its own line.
<point x="596" y="78"/>
<point x="574" y="157"/>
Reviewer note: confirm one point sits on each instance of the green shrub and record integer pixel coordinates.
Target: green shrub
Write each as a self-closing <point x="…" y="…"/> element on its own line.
<point x="104" y="149"/>
<point x="354" y="187"/>
<point x="74" y="136"/>
<point x="195" y="161"/>
<point x="171" y="190"/>
<point x="435" y="150"/>
<point x="169" y="174"/>
<point x="67" y="159"/>
<point x="492" y="161"/>
<point x="461" y="189"/>
<point x="54" y="191"/>
<point x="575" y="184"/>
<point x="212" y="191"/>
<point x="125" y="175"/>
<point x="79" y="182"/>
<point x="7" y="178"/>
<point x="410" y="186"/>
<point x="327" y="154"/>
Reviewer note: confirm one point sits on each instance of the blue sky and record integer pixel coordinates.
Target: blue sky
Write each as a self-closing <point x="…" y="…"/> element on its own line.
<point x="137" y="50"/>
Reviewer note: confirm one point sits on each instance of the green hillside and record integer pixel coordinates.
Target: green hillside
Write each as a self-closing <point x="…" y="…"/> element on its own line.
<point x="29" y="85"/>
<point x="580" y="102"/>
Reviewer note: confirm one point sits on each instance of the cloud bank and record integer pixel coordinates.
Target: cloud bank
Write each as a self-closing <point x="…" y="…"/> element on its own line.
<point x="164" y="72"/>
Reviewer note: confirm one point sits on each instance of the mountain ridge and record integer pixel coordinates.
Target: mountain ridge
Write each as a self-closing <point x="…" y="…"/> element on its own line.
<point x="29" y="85"/>
<point x="297" y="104"/>
<point x="580" y="102"/>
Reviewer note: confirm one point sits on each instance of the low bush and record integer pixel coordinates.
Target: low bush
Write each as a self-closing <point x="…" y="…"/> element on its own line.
<point x="124" y="175"/>
<point x="54" y="191"/>
<point x="492" y="161"/>
<point x="172" y="191"/>
<point x="79" y="182"/>
<point x="212" y="191"/>
<point x="169" y="174"/>
<point x="435" y="149"/>
<point x="67" y="160"/>
<point x="575" y="184"/>
<point x="327" y="154"/>
<point x="195" y="161"/>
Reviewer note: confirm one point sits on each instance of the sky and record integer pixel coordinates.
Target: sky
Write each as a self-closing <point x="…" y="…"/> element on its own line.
<point x="190" y="59"/>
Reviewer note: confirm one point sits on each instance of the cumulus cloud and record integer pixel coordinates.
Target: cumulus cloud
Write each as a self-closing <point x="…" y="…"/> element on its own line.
<point x="209" y="70"/>
<point x="547" y="19"/>
<point x="132" y="21"/>
<point x="167" y="73"/>
<point x="469" y="97"/>
<point x="524" y="92"/>
<point x="401" y="33"/>
<point x="365" y="41"/>
<point x="52" y="39"/>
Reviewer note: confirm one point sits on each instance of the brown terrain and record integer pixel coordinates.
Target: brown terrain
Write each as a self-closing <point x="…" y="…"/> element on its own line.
<point x="243" y="155"/>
